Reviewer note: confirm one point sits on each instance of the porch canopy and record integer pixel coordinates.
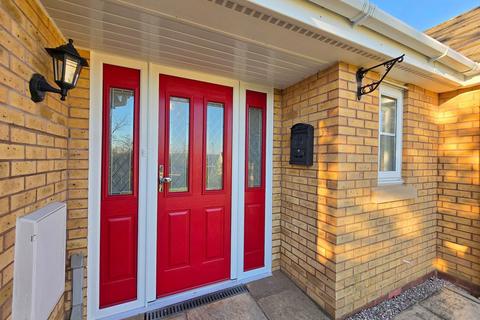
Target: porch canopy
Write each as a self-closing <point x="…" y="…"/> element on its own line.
<point x="269" y="42"/>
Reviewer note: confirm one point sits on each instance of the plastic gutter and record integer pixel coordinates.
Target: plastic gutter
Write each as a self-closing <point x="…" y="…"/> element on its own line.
<point x="365" y="13"/>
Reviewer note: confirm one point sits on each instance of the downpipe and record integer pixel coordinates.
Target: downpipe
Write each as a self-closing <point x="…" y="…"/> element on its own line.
<point x="76" y="261"/>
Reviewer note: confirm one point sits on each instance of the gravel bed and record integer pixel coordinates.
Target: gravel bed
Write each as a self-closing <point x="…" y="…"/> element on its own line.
<point x="390" y="308"/>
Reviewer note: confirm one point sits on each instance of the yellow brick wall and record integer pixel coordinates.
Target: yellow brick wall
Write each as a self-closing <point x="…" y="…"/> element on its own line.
<point x="77" y="183"/>
<point x="43" y="146"/>
<point x="277" y="179"/>
<point x="375" y="239"/>
<point x="340" y="246"/>
<point x="308" y="200"/>
<point x="459" y="188"/>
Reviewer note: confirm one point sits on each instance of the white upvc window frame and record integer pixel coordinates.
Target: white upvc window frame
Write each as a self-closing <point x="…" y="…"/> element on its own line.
<point x="391" y="177"/>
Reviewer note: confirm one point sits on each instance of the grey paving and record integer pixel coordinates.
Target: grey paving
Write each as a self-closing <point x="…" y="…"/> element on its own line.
<point x="241" y="307"/>
<point x="417" y="312"/>
<point x="181" y="316"/>
<point x="451" y="305"/>
<point x="277" y="283"/>
<point x="278" y="298"/>
<point x="291" y="304"/>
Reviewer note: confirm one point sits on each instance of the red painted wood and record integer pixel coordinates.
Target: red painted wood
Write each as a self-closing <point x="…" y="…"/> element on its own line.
<point x="193" y="228"/>
<point x="254" y="230"/>
<point x="118" y="213"/>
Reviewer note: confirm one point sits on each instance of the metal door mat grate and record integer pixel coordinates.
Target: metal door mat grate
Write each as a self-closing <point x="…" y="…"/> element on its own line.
<point x="193" y="303"/>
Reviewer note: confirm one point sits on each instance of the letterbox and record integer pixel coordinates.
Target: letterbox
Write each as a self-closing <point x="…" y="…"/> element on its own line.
<point x="301" y="144"/>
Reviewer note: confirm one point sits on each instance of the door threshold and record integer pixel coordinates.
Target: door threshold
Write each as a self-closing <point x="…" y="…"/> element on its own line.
<point x="187" y="295"/>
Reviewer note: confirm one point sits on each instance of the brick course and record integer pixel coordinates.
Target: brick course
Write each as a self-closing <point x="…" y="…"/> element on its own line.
<point x="459" y="187"/>
<point x="39" y="142"/>
<point x="308" y="199"/>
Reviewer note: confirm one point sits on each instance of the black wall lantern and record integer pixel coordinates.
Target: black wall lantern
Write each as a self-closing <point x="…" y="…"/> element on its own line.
<point x="67" y="64"/>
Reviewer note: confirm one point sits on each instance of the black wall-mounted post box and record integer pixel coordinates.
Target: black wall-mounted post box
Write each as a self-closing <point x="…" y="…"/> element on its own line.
<point x="301" y="144"/>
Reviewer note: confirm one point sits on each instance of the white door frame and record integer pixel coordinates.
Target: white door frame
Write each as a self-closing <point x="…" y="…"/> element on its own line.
<point x="147" y="214"/>
<point x="97" y="60"/>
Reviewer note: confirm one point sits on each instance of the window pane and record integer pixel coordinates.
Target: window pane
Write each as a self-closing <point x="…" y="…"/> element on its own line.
<point x="387" y="153"/>
<point x="254" y="147"/>
<point x="178" y="144"/>
<point x="121" y="141"/>
<point x="214" y="146"/>
<point x="388" y="115"/>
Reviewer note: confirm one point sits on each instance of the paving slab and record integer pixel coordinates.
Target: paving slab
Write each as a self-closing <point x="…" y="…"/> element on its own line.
<point x="265" y="287"/>
<point x="180" y="316"/>
<point x="239" y="307"/>
<point x="416" y="312"/>
<point x="291" y="304"/>
<point x="450" y="305"/>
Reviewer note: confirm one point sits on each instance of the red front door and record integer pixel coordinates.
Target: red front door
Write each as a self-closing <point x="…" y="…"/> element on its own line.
<point x="254" y="230"/>
<point x="119" y="201"/>
<point x="194" y="189"/>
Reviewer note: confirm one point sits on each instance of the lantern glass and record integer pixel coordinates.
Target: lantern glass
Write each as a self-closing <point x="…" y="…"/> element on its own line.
<point x="58" y="67"/>
<point x="71" y="70"/>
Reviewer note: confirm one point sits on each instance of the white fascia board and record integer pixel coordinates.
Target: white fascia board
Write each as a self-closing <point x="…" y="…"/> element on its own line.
<point x="312" y="15"/>
<point x="393" y="28"/>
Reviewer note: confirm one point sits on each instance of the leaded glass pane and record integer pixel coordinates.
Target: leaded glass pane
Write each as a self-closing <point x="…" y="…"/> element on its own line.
<point x="214" y="146"/>
<point x="254" y="174"/>
<point x="179" y="144"/>
<point x="121" y="141"/>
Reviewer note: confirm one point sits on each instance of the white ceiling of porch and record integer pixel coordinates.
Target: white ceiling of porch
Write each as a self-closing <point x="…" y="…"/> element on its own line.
<point x="231" y="38"/>
<point x="162" y="37"/>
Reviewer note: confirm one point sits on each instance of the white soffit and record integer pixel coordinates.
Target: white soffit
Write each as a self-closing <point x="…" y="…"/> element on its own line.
<point x="237" y="39"/>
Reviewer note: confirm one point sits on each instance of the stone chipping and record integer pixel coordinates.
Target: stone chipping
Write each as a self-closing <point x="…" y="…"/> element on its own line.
<point x="390" y="308"/>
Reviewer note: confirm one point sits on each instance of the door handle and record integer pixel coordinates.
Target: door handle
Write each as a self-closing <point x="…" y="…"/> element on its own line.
<point x="162" y="179"/>
<point x="165" y="180"/>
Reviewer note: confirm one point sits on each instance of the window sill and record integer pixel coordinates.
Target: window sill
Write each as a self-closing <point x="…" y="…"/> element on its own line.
<point x="393" y="192"/>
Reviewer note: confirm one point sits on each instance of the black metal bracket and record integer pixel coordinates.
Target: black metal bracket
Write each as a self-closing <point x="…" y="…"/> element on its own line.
<point x="366" y="89"/>
<point x="39" y="86"/>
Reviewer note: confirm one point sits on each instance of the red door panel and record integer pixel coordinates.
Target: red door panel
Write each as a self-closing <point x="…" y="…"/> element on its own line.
<point x="119" y="199"/>
<point x="193" y="231"/>
<point x="215" y="231"/>
<point x="254" y="230"/>
<point x="179" y="236"/>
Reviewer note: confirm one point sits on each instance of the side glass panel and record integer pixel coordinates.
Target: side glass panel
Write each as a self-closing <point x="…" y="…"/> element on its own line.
<point x="254" y="173"/>
<point x="388" y="118"/>
<point x="70" y="68"/>
<point x="214" y="146"/>
<point x="120" y="178"/>
<point x="179" y="144"/>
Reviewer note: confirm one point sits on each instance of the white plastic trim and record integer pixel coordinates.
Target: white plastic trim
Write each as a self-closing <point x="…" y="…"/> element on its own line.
<point x="393" y="28"/>
<point x="368" y="9"/>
